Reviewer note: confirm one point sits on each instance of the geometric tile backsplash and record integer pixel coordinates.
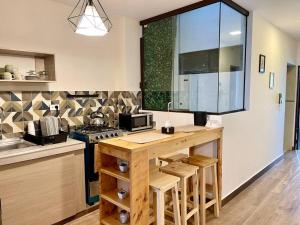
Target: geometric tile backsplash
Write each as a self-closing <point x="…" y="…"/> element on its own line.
<point x="21" y="107"/>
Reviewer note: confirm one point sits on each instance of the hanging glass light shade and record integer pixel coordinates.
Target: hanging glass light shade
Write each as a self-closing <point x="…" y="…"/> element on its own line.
<point x="89" y="18"/>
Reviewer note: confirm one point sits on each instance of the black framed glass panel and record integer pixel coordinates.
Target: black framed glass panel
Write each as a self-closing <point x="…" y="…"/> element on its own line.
<point x="196" y="60"/>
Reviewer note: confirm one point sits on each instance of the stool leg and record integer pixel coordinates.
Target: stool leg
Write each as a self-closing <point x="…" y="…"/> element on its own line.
<point x="215" y="190"/>
<point x="176" y="205"/>
<point x="160" y="218"/>
<point x="202" y="196"/>
<point x="155" y="207"/>
<point x="183" y="184"/>
<point x="196" y="198"/>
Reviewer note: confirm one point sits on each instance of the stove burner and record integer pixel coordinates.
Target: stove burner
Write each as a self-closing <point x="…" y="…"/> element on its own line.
<point x="91" y="129"/>
<point x="95" y="133"/>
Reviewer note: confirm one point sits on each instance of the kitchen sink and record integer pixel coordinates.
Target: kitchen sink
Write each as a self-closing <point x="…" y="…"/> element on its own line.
<point x="12" y="144"/>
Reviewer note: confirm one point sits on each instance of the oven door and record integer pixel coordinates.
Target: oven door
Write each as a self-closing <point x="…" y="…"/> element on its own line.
<point x="91" y="177"/>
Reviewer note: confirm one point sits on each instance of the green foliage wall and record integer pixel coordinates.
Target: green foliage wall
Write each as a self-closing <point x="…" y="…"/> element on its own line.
<point x="159" y="42"/>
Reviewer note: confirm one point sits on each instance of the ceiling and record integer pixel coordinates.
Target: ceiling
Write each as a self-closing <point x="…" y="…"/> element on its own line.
<point x="282" y="13"/>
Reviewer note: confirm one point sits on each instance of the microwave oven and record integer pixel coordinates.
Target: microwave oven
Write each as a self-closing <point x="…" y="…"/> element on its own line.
<point x="136" y="122"/>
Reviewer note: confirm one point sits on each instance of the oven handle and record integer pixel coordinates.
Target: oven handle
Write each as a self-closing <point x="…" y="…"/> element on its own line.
<point x="96" y="158"/>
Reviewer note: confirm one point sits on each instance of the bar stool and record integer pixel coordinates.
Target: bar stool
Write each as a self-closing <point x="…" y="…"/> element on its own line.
<point x="160" y="183"/>
<point x="174" y="158"/>
<point x="185" y="172"/>
<point x="203" y="163"/>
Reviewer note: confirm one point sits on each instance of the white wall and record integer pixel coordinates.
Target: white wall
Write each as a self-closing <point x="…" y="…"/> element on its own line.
<point x="82" y="63"/>
<point x="254" y="138"/>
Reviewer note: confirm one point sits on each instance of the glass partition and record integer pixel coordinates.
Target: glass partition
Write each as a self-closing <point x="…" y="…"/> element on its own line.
<point x="195" y="60"/>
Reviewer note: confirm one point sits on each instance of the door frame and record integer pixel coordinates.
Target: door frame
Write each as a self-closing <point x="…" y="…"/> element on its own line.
<point x="296" y="146"/>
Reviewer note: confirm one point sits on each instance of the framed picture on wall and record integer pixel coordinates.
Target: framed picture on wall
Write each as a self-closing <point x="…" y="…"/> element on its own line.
<point x="262" y="63"/>
<point x="272" y="80"/>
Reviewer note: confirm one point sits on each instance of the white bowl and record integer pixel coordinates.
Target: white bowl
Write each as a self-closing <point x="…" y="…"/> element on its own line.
<point x="123" y="167"/>
<point x="122" y="194"/>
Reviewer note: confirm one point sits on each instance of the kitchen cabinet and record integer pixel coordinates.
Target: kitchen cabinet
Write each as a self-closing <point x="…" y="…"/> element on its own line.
<point x="42" y="191"/>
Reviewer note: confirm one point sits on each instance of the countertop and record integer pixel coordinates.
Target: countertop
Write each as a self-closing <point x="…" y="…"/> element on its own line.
<point x="179" y="138"/>
<point x="38" y="151"/>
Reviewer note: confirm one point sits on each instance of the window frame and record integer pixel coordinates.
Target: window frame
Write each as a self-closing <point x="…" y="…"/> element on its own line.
<point x="176" y="12"/>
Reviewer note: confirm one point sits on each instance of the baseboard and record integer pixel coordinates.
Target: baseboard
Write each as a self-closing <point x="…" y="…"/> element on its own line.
<point x="250" y="181"/>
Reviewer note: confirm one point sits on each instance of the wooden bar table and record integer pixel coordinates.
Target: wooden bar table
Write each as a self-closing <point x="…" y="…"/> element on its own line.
<point x="137" y="178"/>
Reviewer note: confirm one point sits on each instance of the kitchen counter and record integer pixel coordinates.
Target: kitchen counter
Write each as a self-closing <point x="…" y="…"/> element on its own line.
<point x="137" y="179"/>
<point x="38" y="151"/>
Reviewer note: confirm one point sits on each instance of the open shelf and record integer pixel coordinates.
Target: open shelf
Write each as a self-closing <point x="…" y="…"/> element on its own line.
<point x="114" y="172"/>
<point x="27" y="81"/>
<point x="112" y="197"/>
<point x="112" y="220"/>
<point x="38" y="62"/>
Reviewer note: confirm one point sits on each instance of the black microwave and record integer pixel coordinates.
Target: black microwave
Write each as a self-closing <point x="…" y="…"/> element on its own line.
<point x="136" y="122"/>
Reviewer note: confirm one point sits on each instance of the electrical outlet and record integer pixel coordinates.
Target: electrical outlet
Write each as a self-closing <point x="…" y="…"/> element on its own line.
<point x="54" y="107"/>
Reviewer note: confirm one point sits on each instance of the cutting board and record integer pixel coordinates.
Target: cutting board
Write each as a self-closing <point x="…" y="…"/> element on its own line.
<point x="145" y="137"/>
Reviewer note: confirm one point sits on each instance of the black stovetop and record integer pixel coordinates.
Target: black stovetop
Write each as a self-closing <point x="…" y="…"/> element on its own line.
<point x="93" y="129"/>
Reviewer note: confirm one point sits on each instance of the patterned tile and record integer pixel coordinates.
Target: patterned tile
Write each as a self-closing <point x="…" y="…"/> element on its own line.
<point x="26" y="96"/>
<point x="16" y="106"/>
<point x="16" y="96"/>
<point x="28" y="116"/>
<point x="41" y="105"/>
<point x="17" y="117"/>
<point x="21" y="107"/>
<point x="27" y="106"/>
<point x="5" y="96"/>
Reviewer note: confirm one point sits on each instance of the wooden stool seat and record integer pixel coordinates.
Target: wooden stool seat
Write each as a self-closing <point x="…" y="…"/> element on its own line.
<point x="186" y="172"/>
<point x="174" y="158"/>
<point x="160" y="183"/>
<point x="200" y="161"/>
<point x="179" y="169"/>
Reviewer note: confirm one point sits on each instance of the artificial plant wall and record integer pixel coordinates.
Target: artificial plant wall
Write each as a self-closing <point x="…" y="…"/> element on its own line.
<point x="159" y="42"/>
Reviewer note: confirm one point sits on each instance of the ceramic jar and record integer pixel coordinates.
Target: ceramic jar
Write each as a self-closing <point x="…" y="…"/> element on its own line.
<point x="124" y="216"/>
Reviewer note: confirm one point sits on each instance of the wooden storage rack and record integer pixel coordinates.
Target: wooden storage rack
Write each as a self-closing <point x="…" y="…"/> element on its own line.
<point x="111" y="177"/>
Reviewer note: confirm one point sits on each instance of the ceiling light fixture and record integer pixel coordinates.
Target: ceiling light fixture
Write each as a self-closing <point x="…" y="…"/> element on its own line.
<point x="235" y="33"/>
<point x="89" y="18"/>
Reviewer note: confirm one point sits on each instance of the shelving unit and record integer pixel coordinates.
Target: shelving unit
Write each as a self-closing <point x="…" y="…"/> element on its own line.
<point x="42" y="62"/>
<point x="112" y="180"/>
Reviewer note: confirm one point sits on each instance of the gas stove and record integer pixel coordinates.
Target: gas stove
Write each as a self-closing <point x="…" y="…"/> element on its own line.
<point x="92" y="134"/>
<point x="95" y="133"/>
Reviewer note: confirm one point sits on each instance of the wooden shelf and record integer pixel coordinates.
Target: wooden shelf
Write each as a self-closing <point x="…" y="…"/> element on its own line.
<point x="42" y="62"/>
<point x="111" y="171"/>
<point x="112" y="220"/>
<point x="27" y="81"/>
<point x="112" y="197"/>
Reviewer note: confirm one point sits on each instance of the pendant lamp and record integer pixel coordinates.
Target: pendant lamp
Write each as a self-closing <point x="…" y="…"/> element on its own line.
<point x="89" y="18"/>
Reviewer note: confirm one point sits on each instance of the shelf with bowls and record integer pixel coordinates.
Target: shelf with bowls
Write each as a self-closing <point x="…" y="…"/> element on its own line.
<point x="114" y="189"/>
<point x="43" y="63"/>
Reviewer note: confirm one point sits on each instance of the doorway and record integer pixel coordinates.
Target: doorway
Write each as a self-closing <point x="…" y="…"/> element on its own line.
<point x="290" y="129"/>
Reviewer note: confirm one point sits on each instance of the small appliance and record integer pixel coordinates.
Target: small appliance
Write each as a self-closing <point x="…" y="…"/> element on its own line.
<point x="136" y="122"/>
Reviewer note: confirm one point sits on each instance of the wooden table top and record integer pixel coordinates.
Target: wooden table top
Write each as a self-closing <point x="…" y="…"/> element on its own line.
<point x="178" y="137"/>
